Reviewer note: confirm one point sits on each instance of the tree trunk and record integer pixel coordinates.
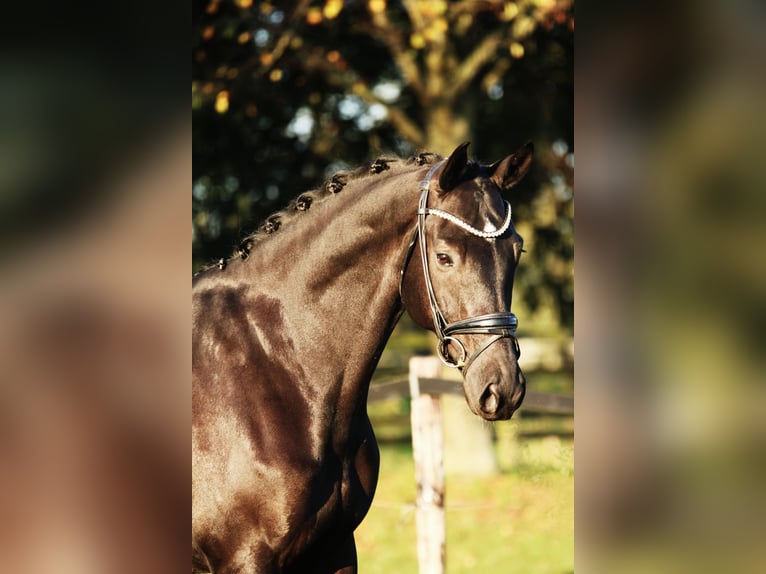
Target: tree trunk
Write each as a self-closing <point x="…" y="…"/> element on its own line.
<point x="444" y="130"/>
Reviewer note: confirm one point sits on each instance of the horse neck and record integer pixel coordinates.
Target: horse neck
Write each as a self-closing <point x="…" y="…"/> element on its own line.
<point x="336" y="275"/>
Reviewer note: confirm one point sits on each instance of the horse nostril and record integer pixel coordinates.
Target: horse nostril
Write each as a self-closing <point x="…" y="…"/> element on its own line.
<point x="490" y="399"/>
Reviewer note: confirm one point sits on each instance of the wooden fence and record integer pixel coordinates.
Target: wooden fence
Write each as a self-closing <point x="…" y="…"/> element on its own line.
<point x="425" y="389"/>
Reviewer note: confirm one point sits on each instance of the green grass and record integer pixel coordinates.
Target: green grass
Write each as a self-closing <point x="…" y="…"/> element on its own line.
<point x="520" y="521"/>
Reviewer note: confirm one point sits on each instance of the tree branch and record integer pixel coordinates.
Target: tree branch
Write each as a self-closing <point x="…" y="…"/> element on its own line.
<point x="290" y="31"/>
<point x="397" y="45"/>
<point x="350" y="81"/>
<point x="467" y="71"/>
<point x="404" y="125"/>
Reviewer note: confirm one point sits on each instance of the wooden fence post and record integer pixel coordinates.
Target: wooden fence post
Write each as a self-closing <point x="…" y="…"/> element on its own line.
<point x="427" y="449"/>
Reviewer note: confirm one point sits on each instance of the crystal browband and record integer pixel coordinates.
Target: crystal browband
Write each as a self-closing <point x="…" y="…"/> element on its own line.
<point x="467" y="226"/>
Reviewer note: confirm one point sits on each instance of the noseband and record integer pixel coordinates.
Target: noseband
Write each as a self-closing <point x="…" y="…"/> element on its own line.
<point x="500" y="325"/>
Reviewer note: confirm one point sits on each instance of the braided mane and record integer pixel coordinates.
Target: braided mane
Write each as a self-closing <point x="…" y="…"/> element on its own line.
<point x="304" y="201"/>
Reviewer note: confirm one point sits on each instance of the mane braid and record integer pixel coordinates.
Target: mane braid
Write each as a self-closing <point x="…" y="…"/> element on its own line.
<point x="304" y="201"/>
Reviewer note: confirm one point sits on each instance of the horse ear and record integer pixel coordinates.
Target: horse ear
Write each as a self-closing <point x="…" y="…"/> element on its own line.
<point x="508" y="172"/>
<point x="452" y="171"/>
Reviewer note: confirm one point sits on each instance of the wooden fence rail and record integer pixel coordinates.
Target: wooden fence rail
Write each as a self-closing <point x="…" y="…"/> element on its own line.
<point x="533" y="400"/>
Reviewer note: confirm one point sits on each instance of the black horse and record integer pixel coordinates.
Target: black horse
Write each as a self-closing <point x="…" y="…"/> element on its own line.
<point x="287" y="334"/>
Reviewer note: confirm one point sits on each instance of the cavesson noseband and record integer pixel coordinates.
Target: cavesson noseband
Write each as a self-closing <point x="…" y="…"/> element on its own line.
<point x="500" y="325"/>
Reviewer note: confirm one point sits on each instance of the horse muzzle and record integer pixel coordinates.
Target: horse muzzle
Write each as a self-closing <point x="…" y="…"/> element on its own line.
<point x="498" y="401"/>
<point x="495" y="386"/>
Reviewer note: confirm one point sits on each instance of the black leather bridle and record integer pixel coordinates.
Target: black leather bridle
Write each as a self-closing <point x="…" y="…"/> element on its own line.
<point x="500" y="325"/>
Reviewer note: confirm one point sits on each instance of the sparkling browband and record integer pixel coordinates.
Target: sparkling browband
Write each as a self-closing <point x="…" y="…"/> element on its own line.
<point x="467" y="226"/>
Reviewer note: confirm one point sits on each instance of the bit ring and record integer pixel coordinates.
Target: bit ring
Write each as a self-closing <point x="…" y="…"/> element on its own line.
<point x="444" y="354"/>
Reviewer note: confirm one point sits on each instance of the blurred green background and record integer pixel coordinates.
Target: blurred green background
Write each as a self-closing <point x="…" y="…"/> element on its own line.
<point x="286" y="93"/>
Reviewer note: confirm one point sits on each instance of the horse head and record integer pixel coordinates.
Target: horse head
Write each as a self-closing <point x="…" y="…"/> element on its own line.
<point x="469" y="252"/>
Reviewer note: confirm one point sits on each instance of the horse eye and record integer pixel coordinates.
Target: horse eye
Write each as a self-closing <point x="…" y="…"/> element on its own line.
<point x="444" y="259"/>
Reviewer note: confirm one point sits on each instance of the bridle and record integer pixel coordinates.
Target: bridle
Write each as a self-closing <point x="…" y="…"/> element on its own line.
<point x="500" y="325"/>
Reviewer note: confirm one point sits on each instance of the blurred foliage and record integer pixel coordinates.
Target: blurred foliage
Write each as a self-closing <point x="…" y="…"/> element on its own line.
<point x="284" y="94"/>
